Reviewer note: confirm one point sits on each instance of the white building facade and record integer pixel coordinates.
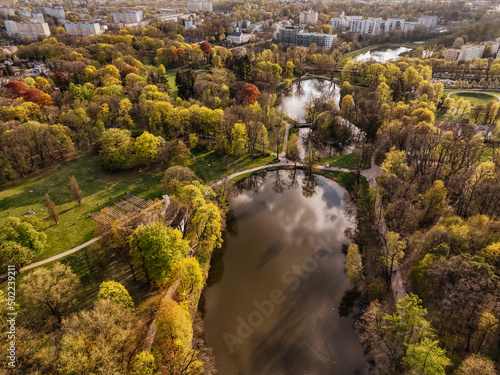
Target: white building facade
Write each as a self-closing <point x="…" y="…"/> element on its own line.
<point x="27" y="30"/>
<point x="83" y="29"/>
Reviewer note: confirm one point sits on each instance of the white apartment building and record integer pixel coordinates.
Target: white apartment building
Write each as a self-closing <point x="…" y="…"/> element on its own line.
<point x="429" y="21"/>
<point x="359" y="26"/>
<point x="339" y="23"/>
<point x="495" y="46"/>
<point x="37" y="18"/>
<point x="27" y="30"/>
<point x="83" y="29"/>
<point x="5" y="12"/>
<point x="471" y="51"/>
<point x="411" y="26"/>
<point x="201" y="5"/>
<point x="308" y="17"/>
<point x="129" y="17"/>
<point x="55" y="13"/>
<point x="394" y="23"/>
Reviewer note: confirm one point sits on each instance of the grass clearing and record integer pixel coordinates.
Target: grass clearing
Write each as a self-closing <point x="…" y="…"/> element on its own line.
<point x="347" y="161"/>
<point x="475" y="98"/>
<point x="100" y="189"/>
<point x="171" y="83"/>
<point x="211" y="167"/>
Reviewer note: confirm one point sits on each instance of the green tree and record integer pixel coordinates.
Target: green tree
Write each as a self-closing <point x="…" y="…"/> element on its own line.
<point x="98" y="341"/>
<point x="347" y="106"/>
<point x="53" y="289"/>
<point x="146" y="148"/>
<point x="193" y="140"/>
<point x="292" y="149"/>
<point x="177" y="177"/>
<point x="289" y="69"/>
<point x="426" y="358"/>
<point x="185" y="83"/>
<point x="117" y="149"/>
<point x="75" y="190"/>
<point x="394" y="251"/>
<point x="354" y="264"/>
<point x="434" y="202"/>
<point x="239" y="139"/>
<point x="21" y="242"/>
<point x="143" y="364"/>
<point x="157" y="248"/>
<point x="189" y="274"/>
<point x="116" y="292"/>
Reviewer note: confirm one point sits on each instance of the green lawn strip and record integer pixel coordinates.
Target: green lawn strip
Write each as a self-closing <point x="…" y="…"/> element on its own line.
<point x="345" y="161"/>
<point x="211" y="167"/>
<point x="100" y="189"/>
<point x="293" y="130"/>
<point x="347" y="180"/>
<point x="360" y="51"/>
<point x="171" y="83"/>
<point x="475" y="98"/>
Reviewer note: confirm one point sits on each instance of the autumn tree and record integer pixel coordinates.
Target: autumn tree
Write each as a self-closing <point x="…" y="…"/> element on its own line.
<point x="354" y="264"/>
<point x="176" y="177"/>
<point x="143" y="364"/>
<point x="52" y="209"/>
<point x="250" y="93"/>
<point x="146" y="148"/>
<point x="75" y="190"/>
<point x="476" y="364"/>
<point x="426" y="358"/>
<point x="188" y="273"/>
<point x="116" y="292"/>
<point x="239" y="139"/>
<point x="53" y="289"/>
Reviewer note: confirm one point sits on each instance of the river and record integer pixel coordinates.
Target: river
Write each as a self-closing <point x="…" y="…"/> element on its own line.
<point x="273" y="300"/>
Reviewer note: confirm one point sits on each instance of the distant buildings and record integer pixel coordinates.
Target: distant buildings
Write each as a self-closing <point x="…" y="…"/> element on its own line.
<point x="295" y="35"/>
<point x="37" y="17"/>
<point x="451" y="54"/>
<point x="55" y="13"/>
<point x="5" y="12"/>
<point x="495" y="46"/>
<point x="374" y="25"/>
<point x="358" y="25"/>
<point x="200" y="5"/>
<point x="468" y="51"/>
<point x="237" y="37"/>
<point x="308" y="17"/>
<point x="471" y="51"/>
<point x="429" y="21"/>
<point x="339" y="23"/>
<point x="27" y="30"/>
<point x="128" y="18"/>
<point x="83" y="29"/>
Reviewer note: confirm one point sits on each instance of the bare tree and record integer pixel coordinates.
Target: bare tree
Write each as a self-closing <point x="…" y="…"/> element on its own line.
<point x="75" y="190"/>
<point x="51" y="207"/>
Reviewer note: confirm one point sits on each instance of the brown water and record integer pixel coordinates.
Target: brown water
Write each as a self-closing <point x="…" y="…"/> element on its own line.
<point x="277" y="284"/>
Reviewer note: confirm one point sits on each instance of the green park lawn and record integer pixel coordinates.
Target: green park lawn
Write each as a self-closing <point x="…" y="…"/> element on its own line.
<point x="211" y="167"/>
<point x="99" y="188"/>
<point x="171" y="83"/>
<point x="475" y="98"/>
<point x="344" y="161"/>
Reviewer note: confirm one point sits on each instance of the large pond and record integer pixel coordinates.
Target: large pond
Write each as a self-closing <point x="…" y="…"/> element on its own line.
<point x="382" y="55"/>
<point x="274" y="301"/>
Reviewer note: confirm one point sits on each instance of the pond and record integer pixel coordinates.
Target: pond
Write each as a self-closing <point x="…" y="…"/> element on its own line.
<point x="273" y="304"/>
<point x="382" y="55"/>
<point x="293" y="101"/>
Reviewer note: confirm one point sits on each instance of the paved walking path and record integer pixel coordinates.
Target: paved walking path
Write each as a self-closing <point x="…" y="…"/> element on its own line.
<point x="62" y="255"/>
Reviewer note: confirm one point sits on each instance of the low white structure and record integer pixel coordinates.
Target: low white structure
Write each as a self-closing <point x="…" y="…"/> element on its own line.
<point x="128" y="17"/>
<point x="237" y="37"/>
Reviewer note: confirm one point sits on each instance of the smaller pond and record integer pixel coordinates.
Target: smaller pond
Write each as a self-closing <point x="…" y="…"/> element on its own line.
<point x="294" y="101"/>
<point x="382" y="55"/>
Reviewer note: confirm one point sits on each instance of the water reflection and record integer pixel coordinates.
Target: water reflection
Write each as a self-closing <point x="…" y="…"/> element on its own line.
<point x="382" y="55"/>
<point x="276" y="308"/>
<point x="293" y="101"/>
